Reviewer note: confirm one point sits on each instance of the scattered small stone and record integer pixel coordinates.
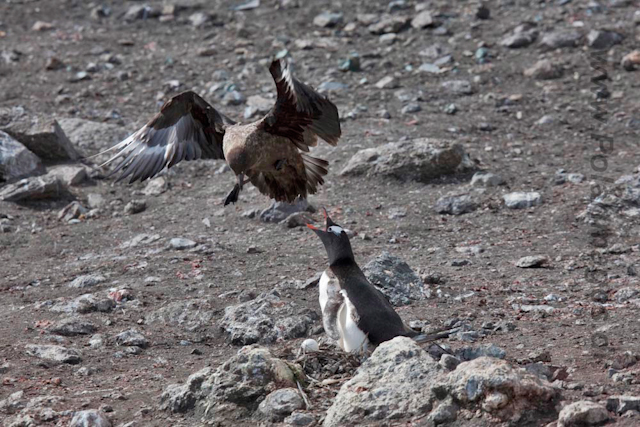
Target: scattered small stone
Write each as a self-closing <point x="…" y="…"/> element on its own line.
<point x="389" y="24"/>
<point x="532" y="261"/>
<point x="156" y="186"/>
<point x="199" y="19"/>
<point x="352" y="63"/>
<point x="449" y="361"/>
<point x="522" y="200"/>
<point x="310" y="346"/>
<point x="135" y="207"/>
<point x="280" y="211"/>
<point x="485" y="350"/>
<point x="53" y="64"/>
<point x="483" y="12"/>
<point x="561" y="39"/>
<point x="519" y="40"/>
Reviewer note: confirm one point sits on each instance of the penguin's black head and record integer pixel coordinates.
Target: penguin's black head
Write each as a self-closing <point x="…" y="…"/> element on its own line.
<point x="335" y="241"/>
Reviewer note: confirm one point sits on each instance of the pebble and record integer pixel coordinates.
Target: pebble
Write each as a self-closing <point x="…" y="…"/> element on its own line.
<point x="631" y="60"/>
<point x="486" y="179"/>
<point x="455" y="204"/>
<point x="411" y="108"/>
<point x="310" y="346"/>
<point x="422" y="20"/>
<point x="458" y="87"/>
<point x="198" y="19"/>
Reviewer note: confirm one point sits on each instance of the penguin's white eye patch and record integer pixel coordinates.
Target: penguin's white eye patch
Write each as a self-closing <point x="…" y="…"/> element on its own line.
<point x="335" y="230"/>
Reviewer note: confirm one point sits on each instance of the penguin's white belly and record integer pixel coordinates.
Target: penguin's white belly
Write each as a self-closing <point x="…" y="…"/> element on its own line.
<point x="324" y="290"/>
<point x="352" y="338"/>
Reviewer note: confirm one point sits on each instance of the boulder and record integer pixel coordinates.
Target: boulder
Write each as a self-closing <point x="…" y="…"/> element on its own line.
<point x="395" y="278"/>
<point x="582" y="414"/>
<point x="265" y="319"/>
<point x="34" y="188"/>
<point x="420" y="160"/>
<point x="16" y="161"/>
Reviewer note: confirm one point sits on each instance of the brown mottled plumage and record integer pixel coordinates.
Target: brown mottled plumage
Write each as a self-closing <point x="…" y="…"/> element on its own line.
<point x="272" y="152"/>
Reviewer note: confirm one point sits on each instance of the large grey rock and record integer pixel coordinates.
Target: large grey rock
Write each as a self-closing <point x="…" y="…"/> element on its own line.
<point x="395" y="279"/>
<point x="266" y="319"/>
<point x="522" y="200"/>
<point x="34" y="188"/>
<point x="89" y="418"/>
<point x="394" y="383"/>
<point x="582" y="414"/>
<point x="72" y="326"/>
<point x="621" y="404"/>
<point x="93" y="137"/>
<point x="280" y="211"/>
<point x="69" y="174"/>
<point x="54" y="353"/>
<point x="280" y="403"/>
<point x="236" y="387"/>
<point x="42" y="136"/>
<point x="498" y="388"/>
<point x="419" y="160"/>
<point x="83" y="304"/>
<point x="16" y="161"/>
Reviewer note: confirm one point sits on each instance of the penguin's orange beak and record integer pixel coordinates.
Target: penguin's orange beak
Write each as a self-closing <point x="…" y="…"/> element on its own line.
<point x="313" y="227"/>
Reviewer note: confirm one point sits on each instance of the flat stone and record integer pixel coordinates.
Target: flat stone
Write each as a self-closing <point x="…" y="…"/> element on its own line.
<point x="16" y="161"/>
<point x="519" y="40"/>
<point x="180" y="243"/>
<point x="522" y="200"/>
<point x="87" y="281"/>
<point x="135" y="207"/>
<point x="156" y="186"/>
<point x="561" y="39"/>
<point x="280" y="211"/>
<point x="458" y="87"/>
<point x="34" y="188"/>
<point x="327" y="19"/>
<point x="389" y="24"/>
<point x="73" y="210"/>
<point x="69" y="174"/>
<point x="532" y="261"/>
<point x="420" y="160"/>
<point x="72" y="326"/>
<point x="387" y="82"/>
<point x="54" y="353"/>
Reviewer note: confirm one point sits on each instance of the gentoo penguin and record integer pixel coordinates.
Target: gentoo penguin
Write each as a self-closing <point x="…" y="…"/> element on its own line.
<point x="354" y="312"/>
<point x="271" y="152"/>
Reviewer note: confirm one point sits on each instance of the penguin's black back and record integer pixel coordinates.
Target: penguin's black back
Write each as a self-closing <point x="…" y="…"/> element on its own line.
<point x="376" y="316"/>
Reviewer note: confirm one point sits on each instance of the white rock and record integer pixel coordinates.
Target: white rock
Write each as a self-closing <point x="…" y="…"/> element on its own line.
<point x="582" y="414"/>
<point x="522" y="200"/>
<point x="310" y="346"/>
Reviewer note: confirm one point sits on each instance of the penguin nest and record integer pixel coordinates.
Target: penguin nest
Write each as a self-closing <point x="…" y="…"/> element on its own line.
<point x="329" y="363"/>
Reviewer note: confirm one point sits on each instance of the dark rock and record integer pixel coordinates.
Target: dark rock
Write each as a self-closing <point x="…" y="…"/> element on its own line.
<point x="602" y="39"/>
<point x="395" y="279"/>
<point x="561" y="39"/>
<point x="280" y="403"/>
<point x="457" y="204"/>
<point x="280" y="211"/>
<point x="72" y="326"/>
<point x="16" y="161"/>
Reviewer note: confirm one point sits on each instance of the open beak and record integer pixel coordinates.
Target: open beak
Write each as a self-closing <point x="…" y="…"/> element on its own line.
<point x="313" y="227"/>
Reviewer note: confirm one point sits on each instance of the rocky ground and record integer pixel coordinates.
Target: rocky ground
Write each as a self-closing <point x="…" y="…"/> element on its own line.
<point x="488" y="166"/>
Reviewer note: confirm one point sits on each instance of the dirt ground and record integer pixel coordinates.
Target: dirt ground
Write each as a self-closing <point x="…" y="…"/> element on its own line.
<point x="41" y="255"/>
